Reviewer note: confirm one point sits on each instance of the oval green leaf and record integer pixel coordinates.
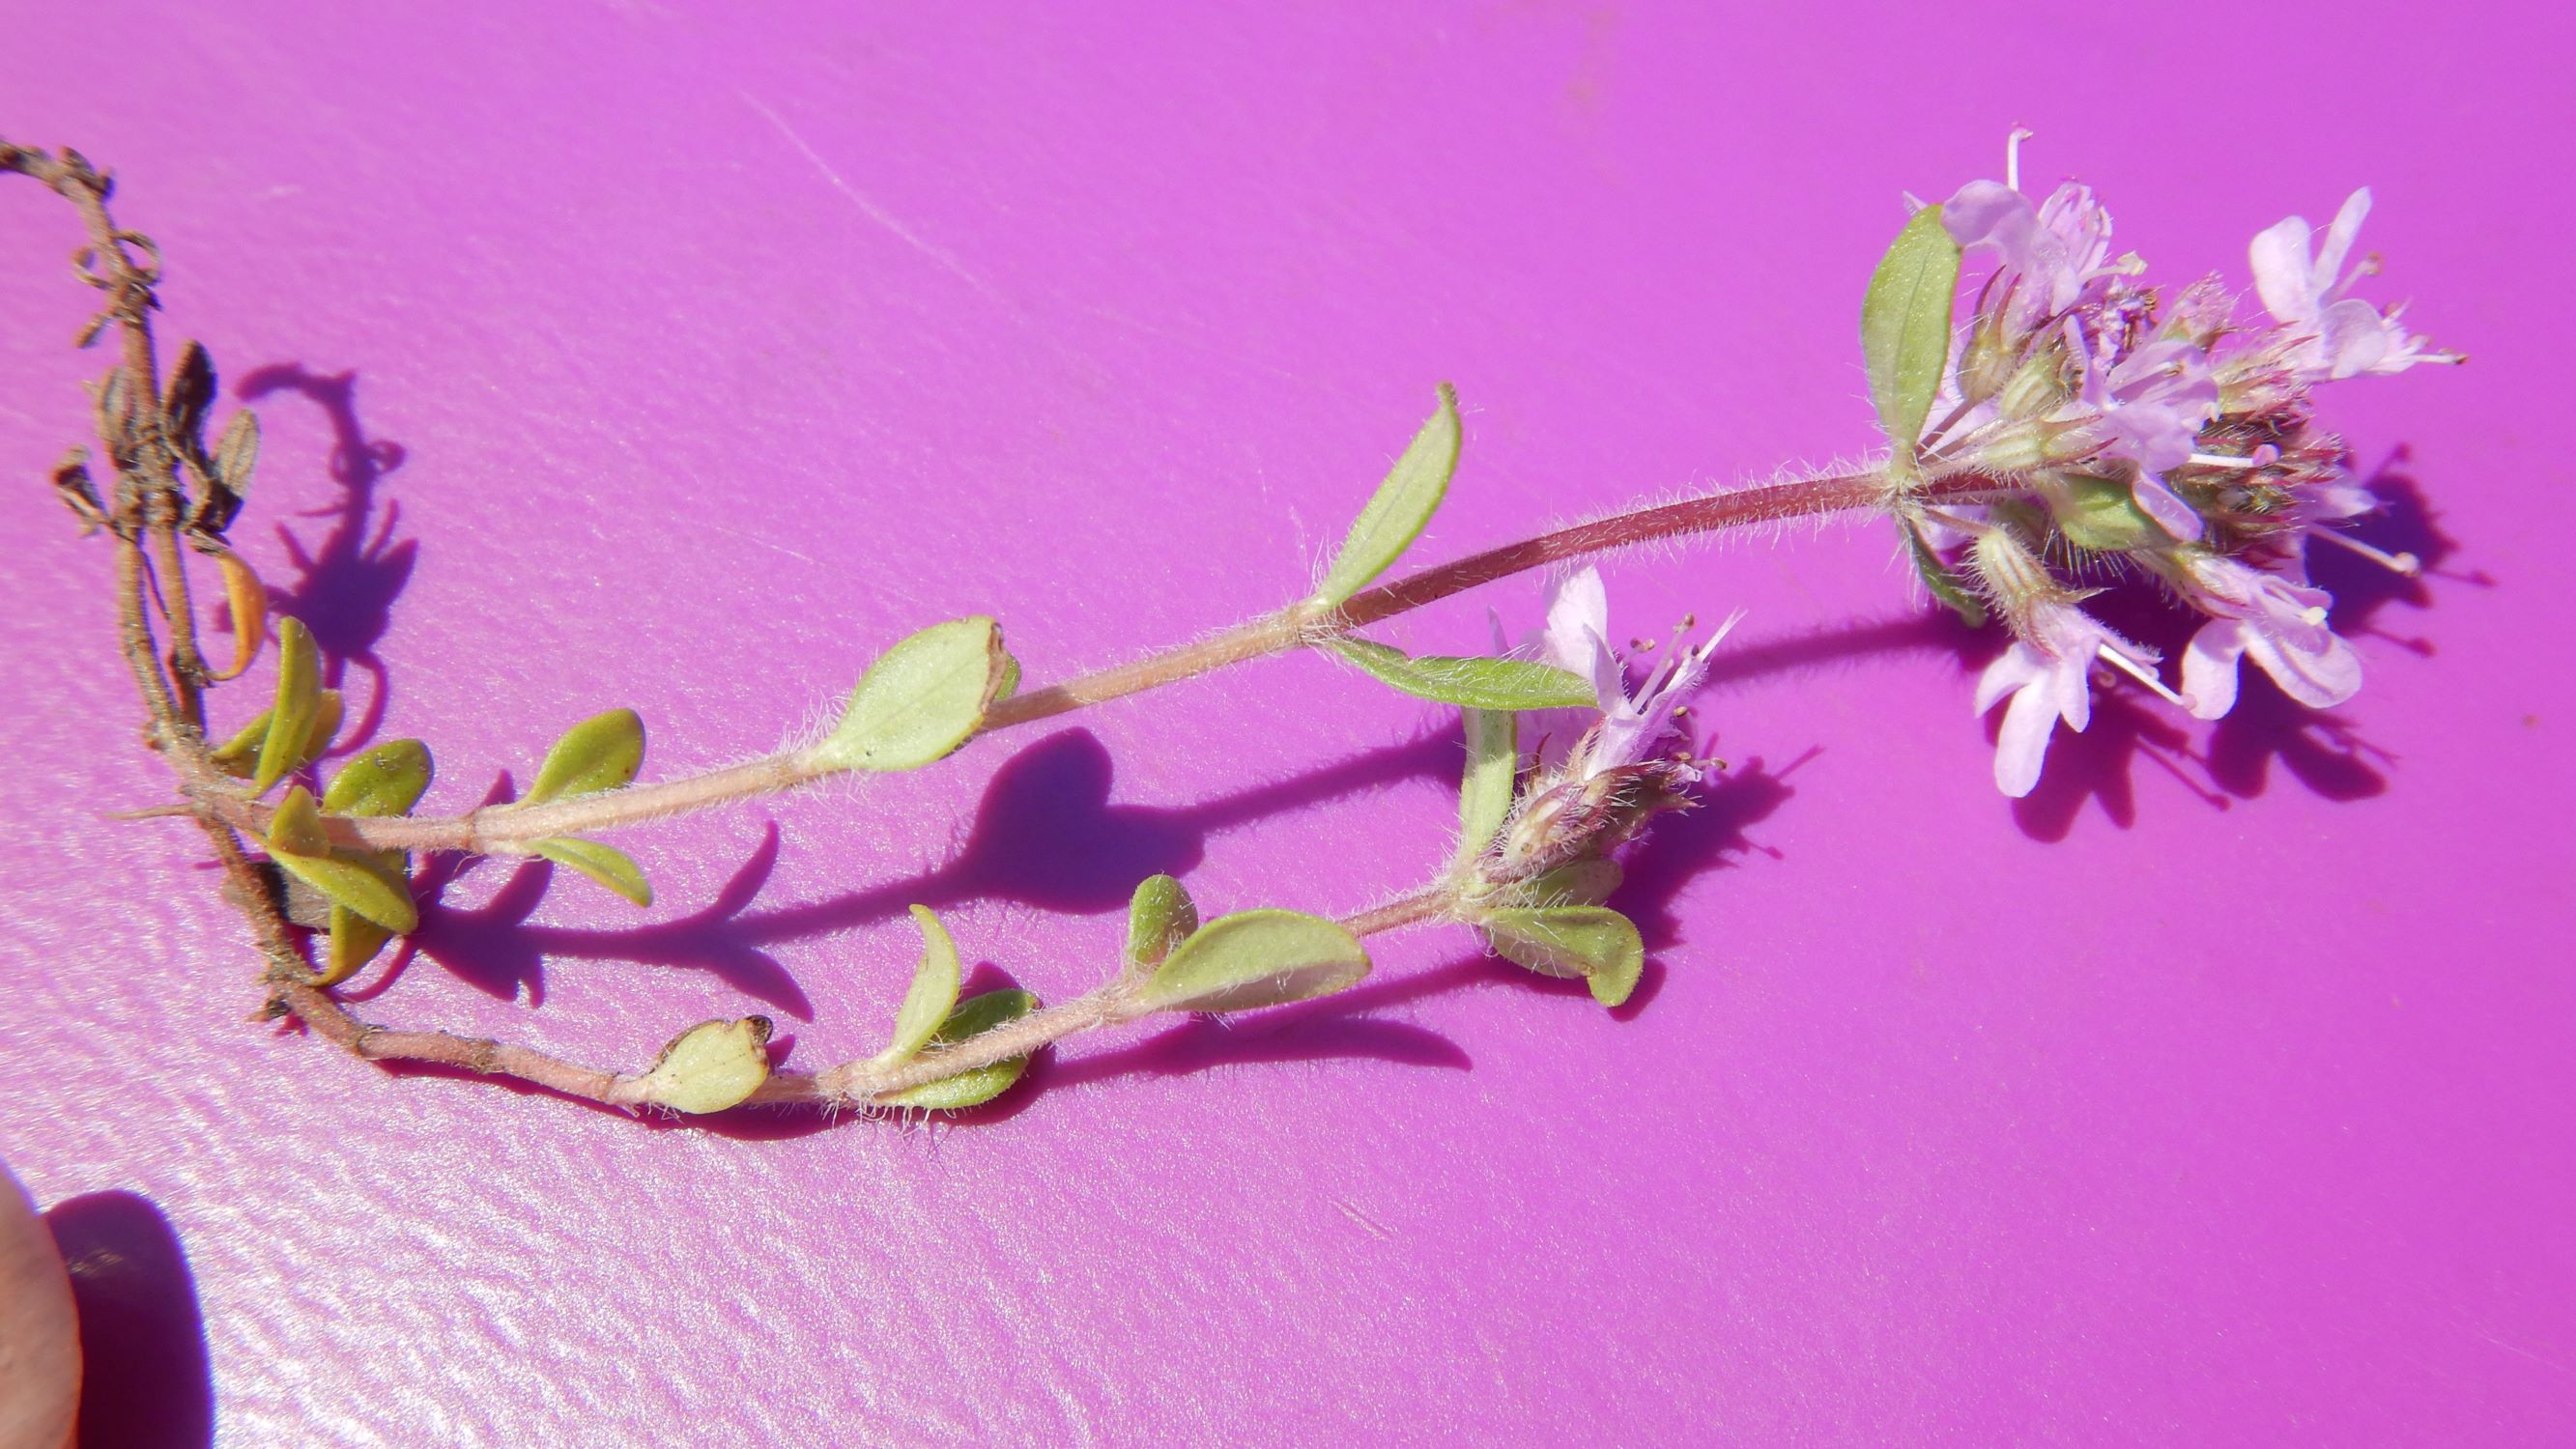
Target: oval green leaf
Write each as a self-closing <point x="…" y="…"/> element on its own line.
<point x="605" y="864"/>
<point x="237" y="755"/>
<point x="386" y="780"/>
<point x="353" y="942"/>
<point x="975" y="1086"/>
<point x="1474" y="683"/>
<point x="1160" y="916"/>
<point x="1257" y="958"/>
<point x="1397" y="513"/>
<point x="1593" y="942"/>
<point x="299" y="703"/>
<point x="933" y="992"/>
<point x="1905" y="328"/>
<point x="709" y="1067"/>
<point x="363" y="881"/>
<point x="241" y="752"/>
<point x="296" y="825"/>
<point x="920" y="700"/>
<point x="1493" y="764"/>
<point x="602" y="752"/>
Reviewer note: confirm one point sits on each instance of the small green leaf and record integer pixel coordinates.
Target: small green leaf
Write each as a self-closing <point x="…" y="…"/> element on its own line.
<point x="299" y="703"/>
<point x="605" y="864"/>
<point x="1905" y="328"/>
<point x="237" y="755"/>
<point x="973" y="1017"/>
<point x="1937" y="577"/>
<point x="1009" y="682"/>
<point x="1475" y="683"/>
<point x="1257" y="958"/>
<point x="354" y="941"/>
<point x="241" y="752"/>
<point x="1160" y="916"/>
<point x="933" y="992"/>
<point x="1402" y="505"/>
<point x="1593" y="942"/>
<point x="1485" y="794"/>
<point x="602" y="752"/>
<point x="359" y="880"/>
<point x="921" y="699"/>
<point x="386" y="780"/>
<point x="709" y="1067"/>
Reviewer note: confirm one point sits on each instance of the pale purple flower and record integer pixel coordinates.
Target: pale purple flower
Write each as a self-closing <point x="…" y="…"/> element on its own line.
<point x="2331" y="335"/>
<point x="2048" y="676"/>
<point x="2048" y="253"/>
<point x="2149" y="409"/>
<point x="1576" y="638"/>
<point x="2280" y="621"/>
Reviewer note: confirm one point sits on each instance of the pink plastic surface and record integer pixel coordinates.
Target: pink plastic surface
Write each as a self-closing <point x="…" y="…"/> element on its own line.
<point x="684" y="356"/>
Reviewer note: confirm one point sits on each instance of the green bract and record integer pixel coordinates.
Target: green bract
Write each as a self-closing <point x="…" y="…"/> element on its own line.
<point x="1905" y="329"/>
<point x="973" y="1017"/>
<point x="1593" y="942"/>
<point x="2103" y="514"/>
<point x="1485" y="794"/>
<point x="933" y="992"/>
<point x="359" y="880"/>
<point x="1256" y="958"/>
<point x="921" y="699"/>
<point x="1575" y="883"/>
<point x="1937" y="577"/>
<point x="1475" y="683"/>
<point x="1160" y="916"/>
<point x="1402" y="505"/>
<point x="709" y="1067"/>
<point x="602" y="752"/>
<point x="299" y="702"/>
<point x="605" y="864"/>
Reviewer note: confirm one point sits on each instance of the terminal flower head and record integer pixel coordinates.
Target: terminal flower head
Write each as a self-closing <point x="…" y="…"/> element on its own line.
<point x="2093" y="426"/>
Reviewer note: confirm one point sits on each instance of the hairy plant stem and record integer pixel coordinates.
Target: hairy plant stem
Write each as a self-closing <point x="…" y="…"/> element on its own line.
<point x="858" y="1082"/>
<point x="507" y="829"/>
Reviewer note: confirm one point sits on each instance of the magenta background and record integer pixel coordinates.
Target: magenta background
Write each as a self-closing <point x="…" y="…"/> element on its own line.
<point x="2218" y="1095"/>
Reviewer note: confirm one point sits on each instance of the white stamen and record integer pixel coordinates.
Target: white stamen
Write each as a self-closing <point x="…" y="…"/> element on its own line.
<point x="2403" y="563"/>
<point x="2222" y="460"/>
<point x="2313" y="615"/>
<point x="2012" y="156"/>
<point x="2143" y="675"/>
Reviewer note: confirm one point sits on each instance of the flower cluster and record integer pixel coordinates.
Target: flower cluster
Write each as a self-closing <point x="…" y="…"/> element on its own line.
<point x="2171" y="440"/>
<point x="1598" y="786"/>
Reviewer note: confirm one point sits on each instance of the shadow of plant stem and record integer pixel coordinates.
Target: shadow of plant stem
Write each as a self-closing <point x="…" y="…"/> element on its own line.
<point x="1046" y="835"/>
<point x="348" y="578"/>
